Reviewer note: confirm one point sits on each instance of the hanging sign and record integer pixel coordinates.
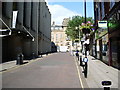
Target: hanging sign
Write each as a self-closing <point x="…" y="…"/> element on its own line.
<point x="14" y="19"/>
<point x="102" y="24"/>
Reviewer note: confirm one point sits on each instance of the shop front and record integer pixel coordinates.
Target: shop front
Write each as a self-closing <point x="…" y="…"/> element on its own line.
<point x="114" y="37"/>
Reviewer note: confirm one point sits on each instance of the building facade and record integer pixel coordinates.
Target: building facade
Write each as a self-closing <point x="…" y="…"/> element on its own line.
<point x="58" y="35"/>
<point x="107" y="39"/>
<point x="31" y="33"/>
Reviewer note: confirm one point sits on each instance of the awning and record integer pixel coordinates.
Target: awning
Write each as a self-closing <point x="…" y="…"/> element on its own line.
<point x="5" y="32"/>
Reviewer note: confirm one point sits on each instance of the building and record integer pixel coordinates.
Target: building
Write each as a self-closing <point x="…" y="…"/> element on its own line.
<point x="107" y="39"/>
<point x="58" y="35"/>
<point x="28" y="33"/>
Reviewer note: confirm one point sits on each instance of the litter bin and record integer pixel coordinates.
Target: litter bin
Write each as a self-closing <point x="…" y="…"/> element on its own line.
<point x="20" y="59"/>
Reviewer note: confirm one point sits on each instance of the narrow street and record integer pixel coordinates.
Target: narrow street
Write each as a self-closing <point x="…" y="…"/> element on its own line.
<point x="57" y="70"/>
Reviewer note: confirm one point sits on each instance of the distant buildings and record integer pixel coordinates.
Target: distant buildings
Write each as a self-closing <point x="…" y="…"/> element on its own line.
<point x="105" y="42"/>
<point x="58" y="35"/>
<point x="31" y="35"/>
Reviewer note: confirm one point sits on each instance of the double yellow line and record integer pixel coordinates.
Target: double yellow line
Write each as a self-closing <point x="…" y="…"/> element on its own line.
<point x="80" y="80"/>
<point x="18" y="66"/>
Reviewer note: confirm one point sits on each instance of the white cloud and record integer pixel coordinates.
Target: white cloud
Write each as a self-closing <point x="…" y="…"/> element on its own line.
<point x="59" y="12"/>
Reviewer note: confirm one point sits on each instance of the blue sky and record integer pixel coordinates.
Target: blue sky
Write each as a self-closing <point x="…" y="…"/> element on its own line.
<point x="61" y="10"/>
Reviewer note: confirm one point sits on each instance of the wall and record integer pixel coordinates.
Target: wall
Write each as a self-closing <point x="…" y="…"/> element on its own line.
<point x="36" y="19"/>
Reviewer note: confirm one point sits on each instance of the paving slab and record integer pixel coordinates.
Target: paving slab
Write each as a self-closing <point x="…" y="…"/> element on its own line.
<point x="99" y="71"/>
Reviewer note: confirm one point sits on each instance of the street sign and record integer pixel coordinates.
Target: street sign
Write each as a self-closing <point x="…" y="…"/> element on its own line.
<point x="102" y="24"/>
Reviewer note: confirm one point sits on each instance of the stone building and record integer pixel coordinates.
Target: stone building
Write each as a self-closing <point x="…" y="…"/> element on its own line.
<point x="58" y="35"/>
<point x="29" y="33"/>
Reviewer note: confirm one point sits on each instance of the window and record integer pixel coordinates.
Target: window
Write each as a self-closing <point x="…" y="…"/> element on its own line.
<point x="112" y="3"/>
<point x="98" y="11"/>
<point x="52" y="36"/>
<point x="61" y="36"/>
<point x="102" y="9"/>
<point x="14" y="6"/>
<point x="56" y="37"/>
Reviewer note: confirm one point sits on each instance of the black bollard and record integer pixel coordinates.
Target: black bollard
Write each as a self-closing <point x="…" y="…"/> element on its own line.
<point x="81" y="61"/>
<point x="33" y="55"/>
<point x="78" y="57"/>
<point x="85" y="70"/>
<point x="41" y="54"/>
<point x="106" y="85"/>
<point x="20" y="59"/>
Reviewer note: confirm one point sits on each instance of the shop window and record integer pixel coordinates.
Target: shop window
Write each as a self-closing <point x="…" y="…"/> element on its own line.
<point x="105" y="47"/>
<point x="112" y="3"/>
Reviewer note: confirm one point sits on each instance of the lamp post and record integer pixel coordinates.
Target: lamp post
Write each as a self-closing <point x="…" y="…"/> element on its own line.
<point x="85" y="23"/>
<point x="85" y="9"/>
<point x="77" y="28"/>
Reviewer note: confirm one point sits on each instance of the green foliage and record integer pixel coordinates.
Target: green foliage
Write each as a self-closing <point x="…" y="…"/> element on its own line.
<point x="76" y="21"/>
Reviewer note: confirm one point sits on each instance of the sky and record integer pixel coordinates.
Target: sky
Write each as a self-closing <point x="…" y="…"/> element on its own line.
<point x="65" y="9"/>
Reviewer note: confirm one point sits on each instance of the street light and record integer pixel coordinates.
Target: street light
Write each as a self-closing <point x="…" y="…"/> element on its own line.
<point x="77" y="28"/>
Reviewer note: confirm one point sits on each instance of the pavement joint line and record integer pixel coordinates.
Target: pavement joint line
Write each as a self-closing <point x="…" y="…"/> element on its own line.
<point x="80" y="80"/>
<point x="13" y="68"/>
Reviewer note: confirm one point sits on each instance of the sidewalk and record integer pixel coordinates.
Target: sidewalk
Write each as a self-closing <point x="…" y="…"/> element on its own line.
<point x="12" y="64"/>
<point x="98" y="72"/>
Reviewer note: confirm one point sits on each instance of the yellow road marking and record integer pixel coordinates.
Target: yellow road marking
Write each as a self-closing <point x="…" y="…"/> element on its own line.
<point x="13" y="68"/>
<point x="80" y="80"/>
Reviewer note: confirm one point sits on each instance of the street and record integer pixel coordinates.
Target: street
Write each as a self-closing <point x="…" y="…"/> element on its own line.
<point x="64" y="44"/>
<point x="54" y="71"/>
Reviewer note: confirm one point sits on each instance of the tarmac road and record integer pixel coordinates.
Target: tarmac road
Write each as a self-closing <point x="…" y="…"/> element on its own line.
<point x="53" y="71"/>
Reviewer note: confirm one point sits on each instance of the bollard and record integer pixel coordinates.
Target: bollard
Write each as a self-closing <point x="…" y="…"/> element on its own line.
<point x="81" y="64"/>
<point x="77" y="55"/>
<point x="33" y="55"/>
<point x="19" y="59"/>
<point x="46" y="53"/>
<point x="85" y="70"/>
<point x="41" y="54"/>
<point x="106" y="85"/>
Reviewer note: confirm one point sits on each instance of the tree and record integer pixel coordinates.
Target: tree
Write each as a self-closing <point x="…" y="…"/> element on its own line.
<point x="76" y="21"/>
